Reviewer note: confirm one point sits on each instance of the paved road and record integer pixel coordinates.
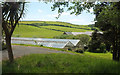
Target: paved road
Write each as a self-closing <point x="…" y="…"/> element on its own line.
<point x="25" y="50"/>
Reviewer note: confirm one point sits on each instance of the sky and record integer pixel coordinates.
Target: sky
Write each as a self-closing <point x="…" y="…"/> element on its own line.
<point x="40" y="11"/>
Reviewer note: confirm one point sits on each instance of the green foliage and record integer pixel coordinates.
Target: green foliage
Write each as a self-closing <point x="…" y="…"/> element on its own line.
<point x="96" y="44"/>
<point x="79" y="50"/>
<point x="65" y="37"/>
<point x="74" y="8"/>
<point x="108" y="21"/>
<point x="41" y="45"/>
<point x="70" y="49"/>
<point x="62" y="63"/>
<point x="84" y="39"/>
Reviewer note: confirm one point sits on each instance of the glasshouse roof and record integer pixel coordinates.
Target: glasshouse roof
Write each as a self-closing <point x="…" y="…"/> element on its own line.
<point x="56" y="43"/>
<point x="77" y="33"/>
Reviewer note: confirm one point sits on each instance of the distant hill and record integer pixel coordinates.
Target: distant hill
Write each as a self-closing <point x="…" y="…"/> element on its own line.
<point x="47" y="29"/>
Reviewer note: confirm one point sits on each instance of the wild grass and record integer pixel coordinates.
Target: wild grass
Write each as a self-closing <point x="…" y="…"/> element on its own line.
<point x="61" y="63"/>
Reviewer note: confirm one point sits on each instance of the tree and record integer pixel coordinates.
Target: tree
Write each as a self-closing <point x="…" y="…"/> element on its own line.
<point x="96" y="44"/>
<point x="11" y="14"/>
<point x="108" y="21"/>
<point x="84" y="39"/>
<point x="0" y="27"/>
<point x="107" y="17"/>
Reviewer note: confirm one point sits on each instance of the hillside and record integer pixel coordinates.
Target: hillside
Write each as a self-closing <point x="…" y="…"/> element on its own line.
<point x="47" y="29"/>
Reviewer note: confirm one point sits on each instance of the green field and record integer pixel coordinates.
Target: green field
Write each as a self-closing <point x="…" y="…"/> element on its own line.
<point x="31" y="31"/>
<point x="64" y="29"/>
<point x="47" y="29"/>
<point x="63" y="63"/>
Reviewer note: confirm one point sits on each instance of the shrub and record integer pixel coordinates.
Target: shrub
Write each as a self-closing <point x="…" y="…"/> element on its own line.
<point x="85" y="48"/>
<point x="98" y="50"/>
<point x="79" y="50"/>
<point x="35" y="42"/>
<point x="41" y="45"/>
<point x="96" y="47"/>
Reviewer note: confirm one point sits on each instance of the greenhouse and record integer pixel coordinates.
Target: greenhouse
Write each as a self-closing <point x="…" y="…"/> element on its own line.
<point x="56" y="43"/>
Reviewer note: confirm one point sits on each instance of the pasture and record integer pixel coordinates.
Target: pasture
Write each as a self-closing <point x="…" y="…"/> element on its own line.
<point x="47" y="29"/>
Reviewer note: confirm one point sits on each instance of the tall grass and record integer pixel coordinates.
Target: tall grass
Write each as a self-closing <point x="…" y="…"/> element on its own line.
<point x="61" y="63"/>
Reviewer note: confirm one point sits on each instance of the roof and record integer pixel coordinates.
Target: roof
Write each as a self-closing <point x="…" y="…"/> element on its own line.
<point x="77" y="33"/>
<point x="56" y="43"/>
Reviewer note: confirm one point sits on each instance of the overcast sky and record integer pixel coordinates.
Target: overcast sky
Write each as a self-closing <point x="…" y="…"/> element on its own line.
<point x="40" y="11"/>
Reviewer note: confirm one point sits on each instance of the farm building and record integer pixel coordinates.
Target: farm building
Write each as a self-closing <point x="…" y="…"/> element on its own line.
<point x="77" y="33"/>
<point x="56" y="43"/>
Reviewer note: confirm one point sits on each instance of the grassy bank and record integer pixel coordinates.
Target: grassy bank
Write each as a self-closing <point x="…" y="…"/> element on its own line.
<point x="61" y="63"/>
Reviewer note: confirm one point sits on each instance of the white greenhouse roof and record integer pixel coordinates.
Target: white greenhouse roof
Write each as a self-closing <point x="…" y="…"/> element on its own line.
<point x="56" y="43"/>
<point x="77" y="33"/>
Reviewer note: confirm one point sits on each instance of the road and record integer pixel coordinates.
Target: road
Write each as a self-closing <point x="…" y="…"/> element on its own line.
<point x="19" y="51"/>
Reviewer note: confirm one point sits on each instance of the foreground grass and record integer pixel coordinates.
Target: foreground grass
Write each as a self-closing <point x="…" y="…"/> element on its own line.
<point x="61" y="63"/>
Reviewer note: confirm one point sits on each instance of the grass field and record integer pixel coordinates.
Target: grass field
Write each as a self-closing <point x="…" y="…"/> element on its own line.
<point x="62" y="63"/>
<point x="31" y="31"/>
<point x="65" y="29"/>
<point x="47" y="29"/>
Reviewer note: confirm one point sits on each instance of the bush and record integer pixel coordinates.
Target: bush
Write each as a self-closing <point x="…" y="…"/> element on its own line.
<point x="79" y="50"/>
<point x="85" y="48"/>
<point x="69" y="49"/>
<point x="96" y="47"/>
<point x="41" y="45"/>
<point x="98" y="50"/>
